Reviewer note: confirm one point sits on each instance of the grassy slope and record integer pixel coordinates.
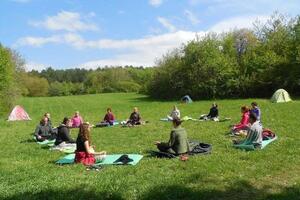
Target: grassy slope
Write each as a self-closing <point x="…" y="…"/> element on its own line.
<point x="27" y="170"/>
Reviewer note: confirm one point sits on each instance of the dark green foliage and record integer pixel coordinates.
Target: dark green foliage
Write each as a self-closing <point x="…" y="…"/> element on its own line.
<point x="101" y="80"/>
<point x="241" y="63"/>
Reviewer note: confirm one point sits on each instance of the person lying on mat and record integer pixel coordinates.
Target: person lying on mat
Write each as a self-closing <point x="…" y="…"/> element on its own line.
<point x="76" y="120"/>
<point x="254" y="132"/>
<point x="244" y="121"/>
<point x="108" y="120"/>
<point x="44" y="131"/>
<point x="178" y="142"/>
<point x="255" y="109"/>
<point x="63" y="133"/>
<point x="213" y="113"/>
<point x="135" y="118"/>
<point x="85" y="152"/>
<point x="175" y="113"/>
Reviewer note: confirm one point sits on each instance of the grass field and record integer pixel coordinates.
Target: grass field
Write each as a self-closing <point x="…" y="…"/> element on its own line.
<point x="28" y="170"/>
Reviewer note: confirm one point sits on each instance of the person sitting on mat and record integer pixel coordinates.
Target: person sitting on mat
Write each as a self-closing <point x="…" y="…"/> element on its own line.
<point x="255" y="109"/>
<point x="49" y="118"/>
<point x="244" y="121"/>
<point x="178" y="142"/>
<point x="135" y="118"/>
<point x="175" y="113"/>
<point x="254" y="132"/>
<point x="85" y="152"/>
<point x="76" y="120"/>
<point x="44" y="131"/>
<point x="108" y="120"/>
<point x="213" y="113"/>
<point x="63" y="133"/>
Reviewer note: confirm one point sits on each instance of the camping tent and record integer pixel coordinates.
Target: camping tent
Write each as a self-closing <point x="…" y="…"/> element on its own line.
<point x="186" y="99"/>
<point x="18" y="113"/>
<point x="281" y="96"/>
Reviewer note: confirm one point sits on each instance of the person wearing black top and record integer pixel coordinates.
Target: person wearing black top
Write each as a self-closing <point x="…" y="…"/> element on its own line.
<point x="213" y="113"/>
<point x="135" y="118"/>
<point x="63" y="133"/>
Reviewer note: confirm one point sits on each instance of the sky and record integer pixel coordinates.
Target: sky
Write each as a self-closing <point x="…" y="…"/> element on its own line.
<point x="95" y="33"/>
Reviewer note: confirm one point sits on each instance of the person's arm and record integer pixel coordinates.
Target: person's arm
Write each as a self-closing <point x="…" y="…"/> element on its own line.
<point x="90" y="150"/>
<point x="139" y="117"/>
<point x="37" y="131"/>
<point x="210" y="113"/>
<point x="172" y="139"/>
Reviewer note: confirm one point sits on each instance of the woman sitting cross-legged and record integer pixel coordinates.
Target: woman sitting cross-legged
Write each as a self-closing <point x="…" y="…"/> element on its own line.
<point x="244" y="121"/>
<point x="63" y="138"/>
<point x="108" y="120"/>
<point x="178" y="142"/>
<point x="44" y="131"/>
<point x="76" y="120"/>
<point x="85" y="153"/>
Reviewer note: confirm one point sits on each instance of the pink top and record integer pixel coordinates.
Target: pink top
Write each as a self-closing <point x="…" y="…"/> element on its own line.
<point x="76" y="121"/>
<point x="244" y="121"/>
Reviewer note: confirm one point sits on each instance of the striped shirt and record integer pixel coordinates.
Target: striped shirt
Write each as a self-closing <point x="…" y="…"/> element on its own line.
<point x="254" y="135"/>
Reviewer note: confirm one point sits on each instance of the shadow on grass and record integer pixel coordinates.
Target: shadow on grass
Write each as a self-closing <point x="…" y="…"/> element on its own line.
<point x="74" y="194"/>
<point x="240" y="190"/>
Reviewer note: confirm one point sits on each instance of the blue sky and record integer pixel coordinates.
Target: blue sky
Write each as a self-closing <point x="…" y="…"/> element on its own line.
<point x="91" y="33"/>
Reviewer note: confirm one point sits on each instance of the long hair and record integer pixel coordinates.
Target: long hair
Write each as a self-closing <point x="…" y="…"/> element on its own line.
<point x="43" y="121"/>
<point x="244" y="108"/>
<point x="84" y="132"/>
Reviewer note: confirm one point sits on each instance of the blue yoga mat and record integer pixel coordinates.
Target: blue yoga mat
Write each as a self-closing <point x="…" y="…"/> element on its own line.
<point x="109" y="159"/>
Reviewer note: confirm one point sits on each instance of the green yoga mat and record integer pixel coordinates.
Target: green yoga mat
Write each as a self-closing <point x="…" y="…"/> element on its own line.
<point x="251" y="147"/>
<point x="109" y="160"/>
<point x="68" y="159"/>
<point x="46" y="142"/>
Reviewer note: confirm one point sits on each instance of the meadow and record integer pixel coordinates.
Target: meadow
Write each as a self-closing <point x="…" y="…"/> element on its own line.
<point x="28" y="170"/>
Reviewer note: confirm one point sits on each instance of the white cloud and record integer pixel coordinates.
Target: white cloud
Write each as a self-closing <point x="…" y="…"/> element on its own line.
<point x="142" y="52"/>
<point x="138" y="52"/>
<point x="35" y="66"/>
<point x="191" y="17"/>
<point x="155" y="3"/>
<point x="37" y="41"/>
<point x="237" y="23"/>
<point x="67" y="21"/>
<point x="166" y="23"/>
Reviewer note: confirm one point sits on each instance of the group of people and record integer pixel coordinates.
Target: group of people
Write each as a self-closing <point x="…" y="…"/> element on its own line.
<point x="178" y="143"/>
<point x="250" y="126"/>
<point x="85" y="152"/>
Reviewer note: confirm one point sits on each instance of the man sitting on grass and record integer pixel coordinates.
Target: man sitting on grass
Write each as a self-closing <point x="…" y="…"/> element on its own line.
<point x="178" y="143"/>
<point x="254" y="133"/>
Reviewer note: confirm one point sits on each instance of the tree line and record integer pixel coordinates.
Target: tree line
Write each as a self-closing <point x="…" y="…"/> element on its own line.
<point x="239" y="63"/>
<point x="236" y="64"/>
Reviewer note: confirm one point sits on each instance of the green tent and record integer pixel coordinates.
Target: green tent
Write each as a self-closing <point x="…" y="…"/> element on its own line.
<point x="281" y="96"/>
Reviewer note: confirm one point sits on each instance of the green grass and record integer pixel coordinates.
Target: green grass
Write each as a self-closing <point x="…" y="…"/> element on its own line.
<point x="27" y="171"/>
